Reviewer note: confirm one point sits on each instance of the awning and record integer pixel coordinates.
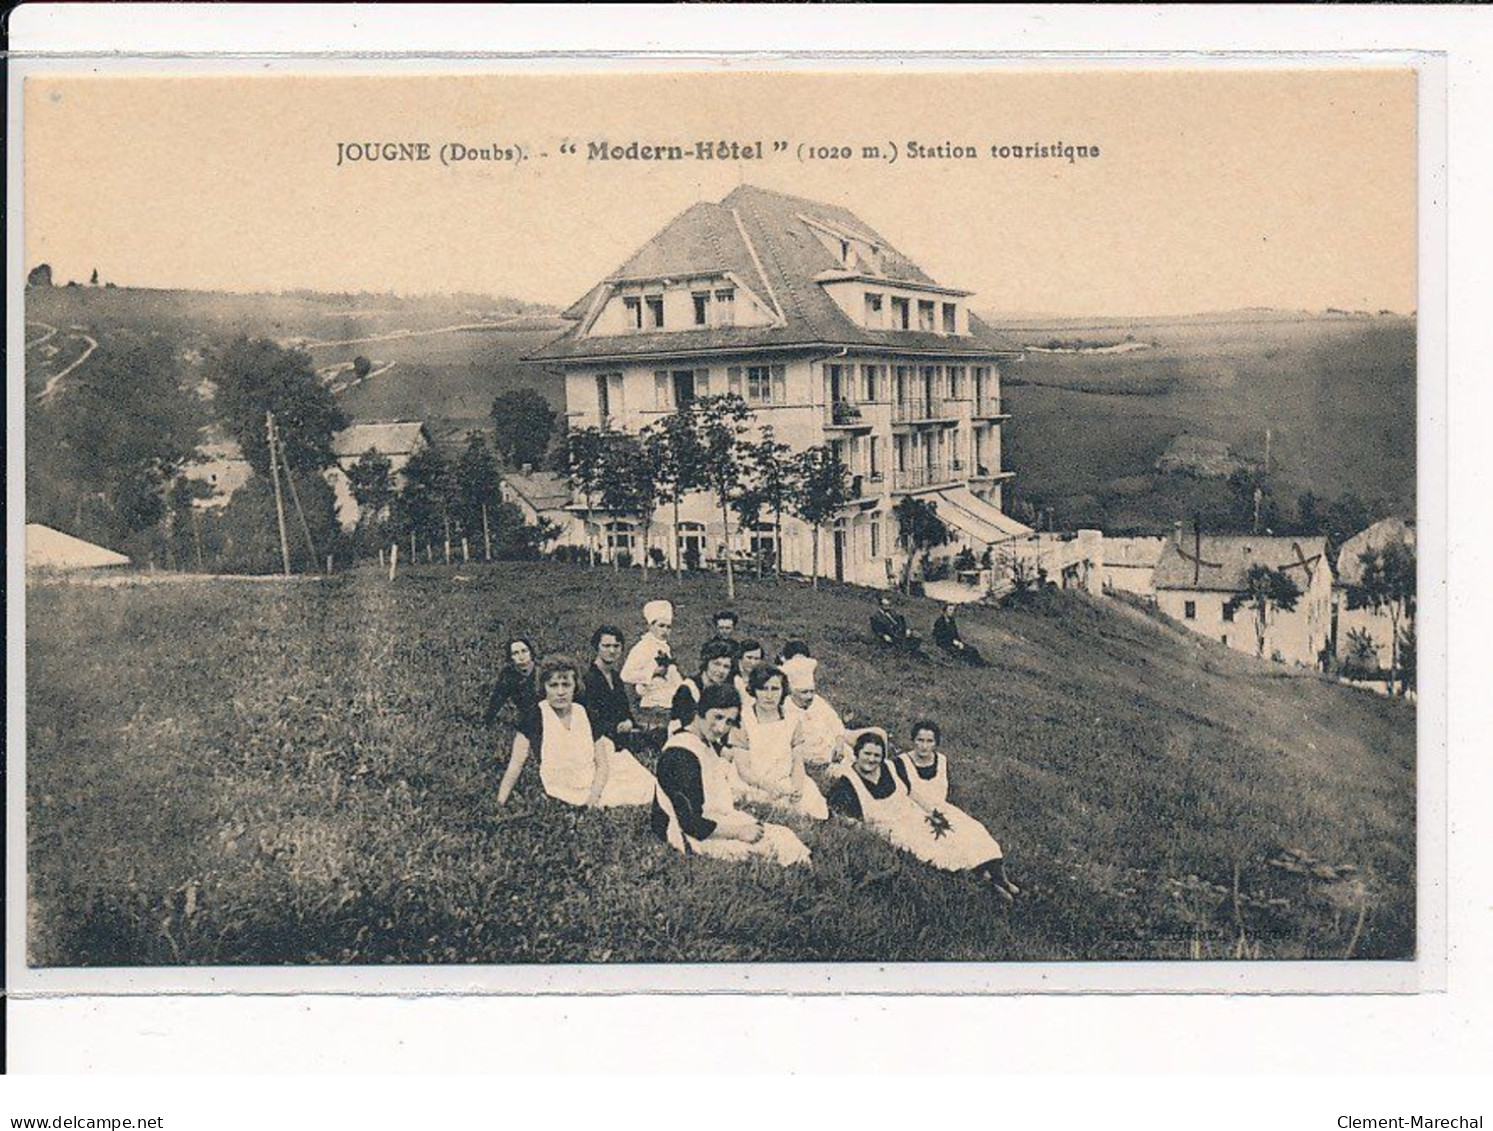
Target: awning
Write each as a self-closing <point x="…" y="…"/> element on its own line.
<point x="963" y="509"/>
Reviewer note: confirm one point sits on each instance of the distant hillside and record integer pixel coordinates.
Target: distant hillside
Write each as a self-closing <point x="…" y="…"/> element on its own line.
<point x="439" y="358"/>
<point x="1096" y="403"/>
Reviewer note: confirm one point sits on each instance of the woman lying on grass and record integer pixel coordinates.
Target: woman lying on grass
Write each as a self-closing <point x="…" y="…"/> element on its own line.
<point x="574" y="766"/>
<point x="765" y="755"/>
<point x="872" y="791"/>
<point x="694" y="809"/>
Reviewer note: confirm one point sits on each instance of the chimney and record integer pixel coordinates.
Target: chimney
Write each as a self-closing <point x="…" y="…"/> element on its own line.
<point x="526" y="469"/>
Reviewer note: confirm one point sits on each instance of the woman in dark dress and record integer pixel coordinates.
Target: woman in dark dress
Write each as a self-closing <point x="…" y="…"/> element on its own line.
<point x="517" y="683"/>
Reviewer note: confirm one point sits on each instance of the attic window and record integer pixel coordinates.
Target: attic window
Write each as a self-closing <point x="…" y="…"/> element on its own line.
<point x="901" y="314"/>
<point x="633" y="307"/>
<point x="702" y="307"/>
<point x="874" y="316"/>
<point x="925" y="315"/>
<point x="655" y="305"/>
<point x="950" y="318"/>
<point x="725" y="307"/>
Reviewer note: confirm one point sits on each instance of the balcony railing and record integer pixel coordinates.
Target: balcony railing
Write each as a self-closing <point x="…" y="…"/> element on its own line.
<point x="988" y="407"/>
<point x="917" y="478"/>
<point x="843" y="414"/>
<point x="923" y="408"/>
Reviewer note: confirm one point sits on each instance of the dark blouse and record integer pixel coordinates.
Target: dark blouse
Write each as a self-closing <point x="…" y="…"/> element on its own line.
<point x="512" y="686"/>
<point x="843" y="799"/>
<point x="678" y="775"/>
<point x="606" y="702"/>
<point x="531" y="726"/>
<point x="945" y="632"/>
<point x="892" y="626"/>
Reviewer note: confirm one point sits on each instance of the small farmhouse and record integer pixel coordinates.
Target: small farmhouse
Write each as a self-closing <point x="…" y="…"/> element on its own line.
<point x="832" y="336"/>
<point x="1200" y="581"/>
<point x="543" y="496"/>
<point x="395" y="440"/>
<point x="221" y="466"/>
<point x="1130" y="564"/>
<point x="1375" y="622"/>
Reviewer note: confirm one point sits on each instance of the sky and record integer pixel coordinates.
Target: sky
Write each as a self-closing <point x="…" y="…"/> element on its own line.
<point x="1213" y="189"/>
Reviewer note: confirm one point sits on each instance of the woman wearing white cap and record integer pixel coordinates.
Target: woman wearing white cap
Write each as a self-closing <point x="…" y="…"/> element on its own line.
<point x="650" y="666"/>
<point x="693" y="808"/>
<point x="575" y="766"/>
<point x="818" y="727"/>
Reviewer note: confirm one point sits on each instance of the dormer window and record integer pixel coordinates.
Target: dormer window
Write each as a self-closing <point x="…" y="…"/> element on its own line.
<point x="655" y="304"/>
<point x="925" y="315"/>
<point x="725" y="307"/>
<point x="875" y="317"/>
<point x="950" y="318"/>
<point x="702" y="307"/>
<point x="901" y="314"/>
<point x="633" y="308"/>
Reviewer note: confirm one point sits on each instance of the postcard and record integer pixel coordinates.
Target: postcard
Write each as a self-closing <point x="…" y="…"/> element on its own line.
<point x="586" y="527"/>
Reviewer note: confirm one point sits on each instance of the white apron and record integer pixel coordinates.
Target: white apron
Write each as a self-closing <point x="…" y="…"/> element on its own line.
<point x="778" y="843"/>
<point x="567" y="763"/>
<point x="972" y="837"/>
<point x="767" y="765"/>
<point x="904" y="823"/>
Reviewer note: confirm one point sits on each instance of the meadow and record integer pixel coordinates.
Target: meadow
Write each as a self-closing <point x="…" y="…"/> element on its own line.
<point x="225" y="772"/>
<point x="1338" y="395"/>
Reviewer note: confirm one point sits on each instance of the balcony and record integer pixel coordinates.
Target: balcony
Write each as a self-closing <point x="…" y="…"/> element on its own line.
<point x="923" y="478"/>
<point x="924" y="410"/>
<point x="985" y="473"/>
<point x="989" y="408"/>
<point x="867" y="486"/>
<point x="846" y="416"/>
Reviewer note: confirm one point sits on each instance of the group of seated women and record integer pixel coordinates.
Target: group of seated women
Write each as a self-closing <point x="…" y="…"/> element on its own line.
<point x="740" y="732"/>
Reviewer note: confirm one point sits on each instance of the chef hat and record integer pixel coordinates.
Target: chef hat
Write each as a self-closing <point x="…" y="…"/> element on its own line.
<point x="658" y="611"/>
<point x="853" y="738"/>
<point x="800" y="672"/>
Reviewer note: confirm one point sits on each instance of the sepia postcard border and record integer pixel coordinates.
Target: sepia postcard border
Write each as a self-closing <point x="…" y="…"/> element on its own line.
<point x="1426" y="973"/>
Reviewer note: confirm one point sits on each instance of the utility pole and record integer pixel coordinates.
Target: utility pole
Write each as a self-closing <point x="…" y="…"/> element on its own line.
<point x="1267" y="451"/>
<point x="269" y="428"/>
<point x="486" y="533"/>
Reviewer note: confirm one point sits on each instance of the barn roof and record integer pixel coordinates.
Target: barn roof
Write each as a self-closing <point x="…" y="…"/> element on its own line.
<point x="767" y="240"/>
<point x="1376" y="537"/>
<point x="389" y="438"/>
<point x="51" y="549"/>
<point x="542" y="490"/>
<point x="1225" y="560"/>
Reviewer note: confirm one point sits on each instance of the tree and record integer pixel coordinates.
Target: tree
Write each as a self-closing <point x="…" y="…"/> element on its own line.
<point x="629" y="484"/>
<point x="919" y="530"/>
<point x="769" y="471"/>
<point x="523" y="422"/>
<point x="361" y="367"/>
<point x="821" y="490"/>
<point x="424" y="502"/>
<point x="1361" y="654"/>
<point x="101" y="450"/>
<point x="678" y="464"/>
<point x="476" y="486"/>
<point x="1346" y="516"/>
<point x="256" y="377"/>
<point x="371" y="481"/>
<point x="41" y="276"/>
<point x="93" y="279"/>
<point x="719" y="422"/>
<point x="1387" y="586"/>
<point x="1265" y="589"/>
<point x="584" y="449"/>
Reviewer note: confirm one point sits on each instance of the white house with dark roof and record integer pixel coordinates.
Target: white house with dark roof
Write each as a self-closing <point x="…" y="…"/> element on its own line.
<point x="1199" y="581"/>
<point x="395" y="440"/>
<point x="832" y="336"/>
<point x="543" y="496"/>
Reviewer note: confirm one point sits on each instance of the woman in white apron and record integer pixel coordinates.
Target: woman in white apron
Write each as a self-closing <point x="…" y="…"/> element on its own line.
<point x="765" y="756"/>
<point x="925" y="771"/>
<point x="574" y="766"/>
<point x="693" y="807"/>
<point x="870" y="790"/>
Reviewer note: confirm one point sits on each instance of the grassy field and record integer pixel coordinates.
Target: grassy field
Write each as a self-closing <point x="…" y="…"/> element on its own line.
<point x="1338" y="395"/>
<point x="235" y="772"/>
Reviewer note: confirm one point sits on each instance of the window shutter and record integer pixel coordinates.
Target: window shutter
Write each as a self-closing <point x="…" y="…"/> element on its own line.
<point x="702" y="382"/>
<point x="733" y="380"/>
<point x="661" y="389"/>
<point x="779" y="385"/>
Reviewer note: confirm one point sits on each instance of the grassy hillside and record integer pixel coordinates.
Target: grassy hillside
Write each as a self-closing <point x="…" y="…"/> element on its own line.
<point x="1087" y="425"/>
<point x="224" y="772"/>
